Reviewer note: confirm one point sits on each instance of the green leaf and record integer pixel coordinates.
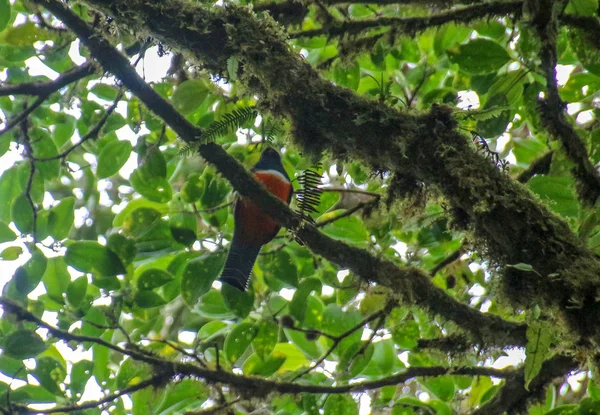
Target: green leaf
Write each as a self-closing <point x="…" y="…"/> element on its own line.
<point x="238" y="341"/>
<point x="557" y="192"/>
<point x="104" y="91"/>
<point x="522" y="267"/>
<point x="76" y="291"/>
<point x="11" y="253"/>
<point x="63" y="131"/>
<point x="479" y="56"/>
<point x="443" y="387"/>
<point x="299" y="303"/>
<point x="30" y="274"/>
<point x="12" y="368"/>
<point x="212" y="328"/>
<point x="495" y="126"/>
<point x="198" y="276"/>
<point x="50" y="373"/>
<point x="6" y="234"/>
<point x="183" y="227"/>
<point x="9" y="189"/>
<point x="141" y="222"/>
<point x="153" y="278"/>
<point x="254" y="365"/>
<point x="308" y="347"/>
<point x="193" y="188"/>
<point x="295" y="359"/>
<point x="215" y="189"/>
<point x="124" y="247"/>
<point x="279" y="268"/>
<point x="135" y="204"/>
<point x="340" y="405"/>
<point x="337" y="321"/>
<point x="56" y="279"/>
<point x="267" y="335"/>
<point x="384" y="356"/>
<point x="355" y="359"/>
<point x="113" y="156"/>
<point x="213" y="306"/>
<point x="148" y="299"/>
<point x="237" y="301"/>
<point x="153" y="165"/>
<point x="113" y="123"/>
<point x="350" y="229"/>
<point x="582" y="7"/>
<point x="23" y="344"/>
<point x="131" y="372"/>
<point x="406" y="334"/>
<point x="90" y="256"/>
<point x="61" y="218"/>
<point x="189" y="95"/>
<point x="539" y="339"/>
<point x="156" y="189"/>
<point x="44" y="147"/>
<point x="346" y="75"/>
<point x="4" y="13"/>
<point x="81" y="372"/>
<point x="22" y="214"/>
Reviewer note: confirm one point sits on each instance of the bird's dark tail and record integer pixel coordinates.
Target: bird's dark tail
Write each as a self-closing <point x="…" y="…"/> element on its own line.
<point x="238" y="265"/>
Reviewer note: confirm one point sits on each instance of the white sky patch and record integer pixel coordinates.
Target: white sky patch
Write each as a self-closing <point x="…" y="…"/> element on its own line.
<point x="287" y="293"/>
<point x="468" y="100"/>
<point x="563" y="72"/>
<point x="514" y="357"/>
<point x="153" y="67"/>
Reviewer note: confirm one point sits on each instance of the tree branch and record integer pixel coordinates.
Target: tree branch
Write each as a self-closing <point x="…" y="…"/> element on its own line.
<point x="589" y="25"/>
<point x="514" y="398"/>
<point x="22" y="314"/>
<point x="47" y="88"/>
<point x="544" y="19"/>
<point x="155" y="381"/>
<point x="412" y="25"/>
<point x="410" y="284"/>
<point x="167" y="370"/>
<point x="539" y="166"/>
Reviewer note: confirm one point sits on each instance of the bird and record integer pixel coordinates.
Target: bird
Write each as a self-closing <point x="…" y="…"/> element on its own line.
<point x="253" y="228"/>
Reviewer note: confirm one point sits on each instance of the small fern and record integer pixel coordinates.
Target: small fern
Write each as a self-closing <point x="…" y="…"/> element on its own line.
<point x="309" y="196"/>
<point x="229" y="122"/>
<point x="269" y="130"/>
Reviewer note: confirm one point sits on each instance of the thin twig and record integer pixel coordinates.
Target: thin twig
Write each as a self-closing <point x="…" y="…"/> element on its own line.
<point x="91" y="134"/>
<point x="29" y="155"/>
<point x="155" y="381"/>
<point x="337" y="340"/>
<point x="10" y="124"/>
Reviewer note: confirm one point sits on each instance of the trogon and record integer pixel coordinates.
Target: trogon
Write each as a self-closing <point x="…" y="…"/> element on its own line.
<point x="253" y="228"/>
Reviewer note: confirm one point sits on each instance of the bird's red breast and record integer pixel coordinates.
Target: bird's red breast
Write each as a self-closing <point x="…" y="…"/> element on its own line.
<point x="255" y="226"/>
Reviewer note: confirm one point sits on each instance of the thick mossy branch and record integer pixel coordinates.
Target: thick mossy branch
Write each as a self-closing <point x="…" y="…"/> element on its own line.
<point x="515" y="226"/>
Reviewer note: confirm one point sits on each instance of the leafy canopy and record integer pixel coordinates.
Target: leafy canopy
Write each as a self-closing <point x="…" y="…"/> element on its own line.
<point x="115" y="231"/>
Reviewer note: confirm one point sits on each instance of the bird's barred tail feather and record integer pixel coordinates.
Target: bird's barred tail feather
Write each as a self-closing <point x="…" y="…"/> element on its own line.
<point x="238" y="265"/>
